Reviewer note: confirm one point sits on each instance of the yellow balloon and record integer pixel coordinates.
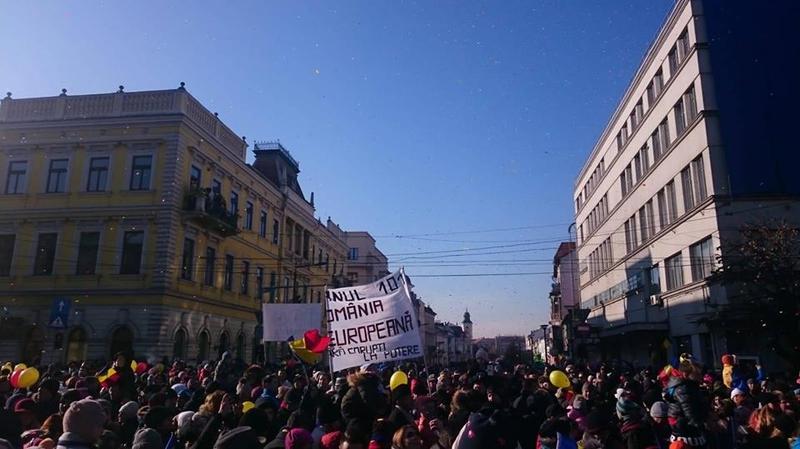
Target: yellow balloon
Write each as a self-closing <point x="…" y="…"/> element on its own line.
<point x="559" y="379"/>
<point x="247" y="406"/>
<point x="397" y="379"/>
<point x="20" y="367"/>
<point x="28" y="377"/>
<point x="133" y="365"/>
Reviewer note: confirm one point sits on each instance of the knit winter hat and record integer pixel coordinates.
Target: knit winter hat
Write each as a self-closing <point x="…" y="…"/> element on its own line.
<point x="736" y="392"/>
<point x="84" y="417"/>
<point x="128" y="411"/>
<point x="147" y="439"/>
<point x="628" y="410"/>
<point x="298" y="438"/>
<point x="659" y="409"/>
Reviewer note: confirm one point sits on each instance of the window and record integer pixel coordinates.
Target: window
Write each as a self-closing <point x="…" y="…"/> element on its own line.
<point x="637" y="165"/>
<point x="216" y="187"/>
<point x="644" y="152"/>
<point x="234" y="206"/>
<point x="646" y="220"/>
<point x="132" y="242"/>
<point x="701" y="258"/>
<point x="45" y="254"/>
<point x="688" y="193"/>
<point x="15" y="182"/>
<point x="663" y="130"/>
<point x="680" y="117"/>
<point x="57" y="176"/>
<point x="623" y="183"/>
<point x="673" y="61"/>
<point x="273" y="280"/>
<point x="352" y="254"/>
<point x="682" y="46"/>
<point x="655" y="280"/>
<point x="227" y="282"/>
<point x="211" y="259"/>
<point x="187" y="263"/>
<point x="327" y="260"/>
<point x="638" y="113"/>
<point x="259" y="282"/>
<point x="657" y="148"/>
<point x="98" y="174"/>
<point x="672" y="201"/>
<point x="248" y="216"/>
<point x="651" y="95"/>
<point x="87" y="253"/>
<point x="6" y="253"/>
<point x="690" y="105"/>
<point x="630" y="234"/>
<point x="194" y="178"/>
<point x="629" y="177"/>
<point x="658" y="82"/>
<point x="262" y="225"/>
<point x="275" y="231"/>
<point x="698" y="171"/>
<point x="140" y="172"/>
<point x="674" y="272"/>
<point x="245" y="282"/>
<point x="620" y="141"/>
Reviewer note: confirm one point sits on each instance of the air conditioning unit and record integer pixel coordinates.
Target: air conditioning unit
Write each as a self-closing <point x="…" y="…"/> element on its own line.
<point x="655" y="300"/>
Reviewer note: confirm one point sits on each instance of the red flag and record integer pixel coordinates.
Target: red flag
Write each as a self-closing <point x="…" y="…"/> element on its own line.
<point x="315" y="342"/>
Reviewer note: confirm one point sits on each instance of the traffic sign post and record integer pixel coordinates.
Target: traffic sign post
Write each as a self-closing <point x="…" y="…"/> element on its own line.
<point x="59" y="313"/>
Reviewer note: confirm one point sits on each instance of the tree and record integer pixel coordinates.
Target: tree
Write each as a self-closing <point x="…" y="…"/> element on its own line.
<point x="762" y="276"/>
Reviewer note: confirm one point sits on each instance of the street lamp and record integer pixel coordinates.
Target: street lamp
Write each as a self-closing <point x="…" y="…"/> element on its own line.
<point x="544" y="337"/>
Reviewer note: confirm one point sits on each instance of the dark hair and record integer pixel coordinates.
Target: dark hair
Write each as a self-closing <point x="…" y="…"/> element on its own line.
<point x="354" y="434"/>
<point x="156" y="415"/>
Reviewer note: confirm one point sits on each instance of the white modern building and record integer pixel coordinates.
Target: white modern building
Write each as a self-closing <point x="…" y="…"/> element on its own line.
<point x="697" y="146"/>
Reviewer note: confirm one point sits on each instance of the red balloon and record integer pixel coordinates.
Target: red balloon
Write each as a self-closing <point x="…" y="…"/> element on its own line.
<point x="141" y="367"/>
<point x="14" y="379"/>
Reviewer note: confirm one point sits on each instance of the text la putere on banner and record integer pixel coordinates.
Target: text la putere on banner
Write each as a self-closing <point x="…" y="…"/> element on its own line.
<point x="372" y="323"/>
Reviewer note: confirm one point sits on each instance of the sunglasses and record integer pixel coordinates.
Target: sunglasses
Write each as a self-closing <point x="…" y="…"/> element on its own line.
<point x="410" y="435"/>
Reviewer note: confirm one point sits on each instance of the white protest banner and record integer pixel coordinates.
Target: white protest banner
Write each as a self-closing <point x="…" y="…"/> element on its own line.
<point x="372" y="323"/>
<point x="284" y="321"/>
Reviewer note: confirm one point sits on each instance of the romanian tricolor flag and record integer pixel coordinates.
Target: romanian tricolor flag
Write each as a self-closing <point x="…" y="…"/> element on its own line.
<point x="310" y="348"/>
<point x="109" y="378"/>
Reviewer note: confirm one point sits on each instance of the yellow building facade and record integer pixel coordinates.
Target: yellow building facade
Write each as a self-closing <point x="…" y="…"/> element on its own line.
<point x="132" y="221"/>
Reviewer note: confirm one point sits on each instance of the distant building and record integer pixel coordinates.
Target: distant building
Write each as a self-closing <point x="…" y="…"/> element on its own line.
<point x="365" y="262"/>
<point x="145" y="230"/>
<point x="565" y="313"/>
<point x="453" y="342"/>
<point x="702" y="141"/>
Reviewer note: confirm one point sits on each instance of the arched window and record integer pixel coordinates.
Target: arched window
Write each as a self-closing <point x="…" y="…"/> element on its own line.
<point x="76" y="345"/>
<point x="33" y="346"/>
<point x="121" y="341"/>
<point x="224" y="342"/>
<point x="203" y="343"/>
<point x="179" y="347"/>
<point x="240" y="346"/>
<point x="258" y="346"/>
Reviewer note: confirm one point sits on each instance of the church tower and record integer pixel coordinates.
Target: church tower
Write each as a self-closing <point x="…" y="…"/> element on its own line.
<point x="467" y="324"/>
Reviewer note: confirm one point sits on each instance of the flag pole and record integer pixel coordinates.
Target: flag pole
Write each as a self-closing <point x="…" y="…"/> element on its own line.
<point x="419" y="320"/>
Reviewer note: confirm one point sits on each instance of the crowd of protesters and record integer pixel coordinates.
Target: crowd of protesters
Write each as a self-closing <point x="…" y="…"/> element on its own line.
<point x="229" y="405"/>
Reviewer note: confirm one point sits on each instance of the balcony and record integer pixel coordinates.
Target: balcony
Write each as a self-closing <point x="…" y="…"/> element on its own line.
<point x="210" y="211"/>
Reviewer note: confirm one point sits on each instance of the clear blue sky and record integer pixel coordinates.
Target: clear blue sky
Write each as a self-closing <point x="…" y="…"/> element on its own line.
<point x="464" y="116"/>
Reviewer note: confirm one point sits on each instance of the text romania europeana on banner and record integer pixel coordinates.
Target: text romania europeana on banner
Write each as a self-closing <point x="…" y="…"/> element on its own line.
<point x="372" y="323"/>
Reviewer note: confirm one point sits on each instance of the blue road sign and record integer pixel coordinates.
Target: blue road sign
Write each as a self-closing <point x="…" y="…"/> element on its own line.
<point x="59" y="313"/>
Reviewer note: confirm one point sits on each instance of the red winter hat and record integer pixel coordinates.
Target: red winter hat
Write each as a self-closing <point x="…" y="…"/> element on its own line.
<point x="25" y="405"/>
